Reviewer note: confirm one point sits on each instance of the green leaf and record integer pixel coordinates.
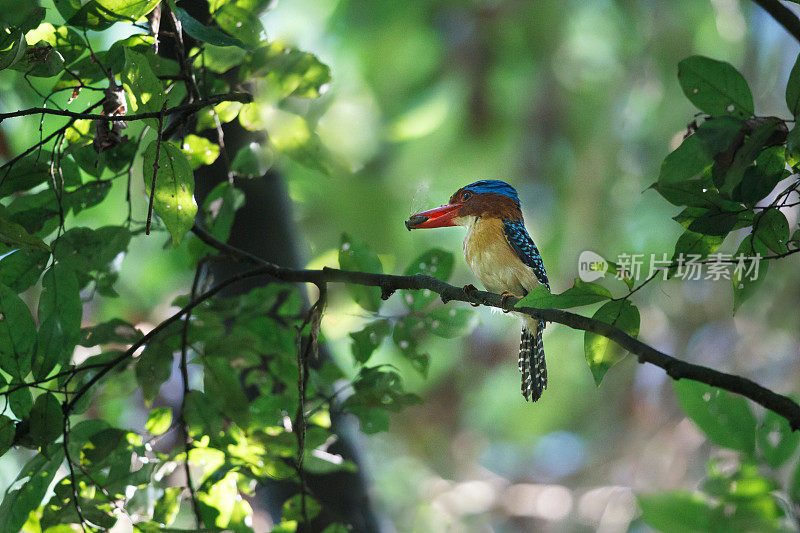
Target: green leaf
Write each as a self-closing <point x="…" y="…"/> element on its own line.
<point x="21" y="401"/>
<point x="435" y="262"/>
<point x="776" y="440"/>
<point x="747" y="498"/>
<point x="99" y="449"/>
<point x="695" y="246"/>
<point x="366" y="341"/>
<point x="40" y="60"/>
<point x="65" y="40"/>
<point x="252" y="161"/>
<point x="250" y="116"/>
<point x="377" y="391"/>
<point x="21" y="15"/>
<point x="7" y="432"/>
<point x="46" y="420"/>
<point x="27" y="173"/>
<point x="451" y="322"/>
<point x="52" y="347"/>
<point x="219" y="59"/>
<point x="581" y="293"/>
<point x="602" y="353"/>
<point x="21" y="268"/>
<point x="199" y="150"/>
<point x="355" y="255"/>
<point x="715" y="87"/>
<point x="61" y="301"/>
<point x="202" y="418"/>
<point x="718" y="134"/>
<point x="167" y="507"/>
<point x="91" y="250"/>
<point x="174" y="195"/>
<point x="745" y="156"/>
<point x="759" y="180"/>
<point x="677" y="512"/>
<point x="695" y="154"/>
<point x="132" y="9"/>
<point x="222" y="386"/>
<point x="407" y="335"/>
<point x="793" y="89"/>
<point x="714" y="222"/>
<point x="15" y="236"/>
<point x="17" y="334"/>
<point x="287" y="72"/>
<point x="225" y="112"/>
<point x="293" y="508"/>
<point x="241" y="24"/>
<point x="794" y="486"/>
<point x="87" y="196"/>
<point x="115" y="331"/>
<point x="693" y="193"/>
<point x="725" y="418"/>
<point x="293" y="135"/>
<point x="144" y="90"/>
<point x="85" y="14"/>
<point x="748" y="273"/>
<point x="203" y="33"/>
<point x="793" y="141"/>
<point x="220" y="208"/>
<point x="159" y="420"/>
<point x="152" y="369"/>
<point x="37" y="475"/>
<point x="772" y="229"/>
<point x="12" y="48"/>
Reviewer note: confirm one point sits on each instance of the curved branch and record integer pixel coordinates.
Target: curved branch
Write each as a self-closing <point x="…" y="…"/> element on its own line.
<point x="185" y="108"/>
<point x="783" y="15"/>
<point x="675" y="368"/>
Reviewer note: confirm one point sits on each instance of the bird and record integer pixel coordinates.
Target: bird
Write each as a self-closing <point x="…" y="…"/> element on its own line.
<point x="502" y="255"/>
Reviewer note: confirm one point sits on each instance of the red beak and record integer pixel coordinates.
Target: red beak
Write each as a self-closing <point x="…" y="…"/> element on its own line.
<point x="438" y="217"/>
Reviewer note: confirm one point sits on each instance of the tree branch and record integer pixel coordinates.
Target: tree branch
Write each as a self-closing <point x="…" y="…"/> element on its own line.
<point x="185" y="108"/>
<point x="675" y="368"/>
<point x="783" y="15"/>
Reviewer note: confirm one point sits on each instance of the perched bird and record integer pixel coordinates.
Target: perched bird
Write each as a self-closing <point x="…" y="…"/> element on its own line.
<point x="502" y="255"/>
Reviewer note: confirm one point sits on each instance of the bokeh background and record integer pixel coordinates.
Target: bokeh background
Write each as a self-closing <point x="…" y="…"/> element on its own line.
<point x="575" y="103"/>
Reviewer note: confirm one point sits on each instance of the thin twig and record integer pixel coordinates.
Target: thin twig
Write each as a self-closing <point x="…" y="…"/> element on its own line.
<point x="313" y="319"/>
<point x="10" y="163"/>
<point x="73" y="480"/>
<point x="155" y="170"/>
<point x="185" y="378"/>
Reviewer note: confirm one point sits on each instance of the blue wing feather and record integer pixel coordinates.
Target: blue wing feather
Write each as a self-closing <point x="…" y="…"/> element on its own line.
<point x="523" y="246"/>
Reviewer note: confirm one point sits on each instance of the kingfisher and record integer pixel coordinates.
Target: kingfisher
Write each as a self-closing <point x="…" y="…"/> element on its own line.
<point x="502" y="255"/>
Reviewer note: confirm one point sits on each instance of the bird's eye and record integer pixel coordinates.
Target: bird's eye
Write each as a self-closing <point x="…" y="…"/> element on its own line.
<point x="466" y="196"/>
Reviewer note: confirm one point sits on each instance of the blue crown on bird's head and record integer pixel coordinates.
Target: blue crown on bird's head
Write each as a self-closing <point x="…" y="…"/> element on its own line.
<point x="493" y="186"/>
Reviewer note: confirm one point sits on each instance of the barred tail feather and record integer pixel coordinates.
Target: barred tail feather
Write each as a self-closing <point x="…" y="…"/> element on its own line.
<point x="531" y="362"/>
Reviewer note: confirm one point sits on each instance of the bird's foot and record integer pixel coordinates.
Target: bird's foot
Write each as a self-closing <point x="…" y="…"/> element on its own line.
<point x="467" y="290"/>
<point x="505" y="296"/>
